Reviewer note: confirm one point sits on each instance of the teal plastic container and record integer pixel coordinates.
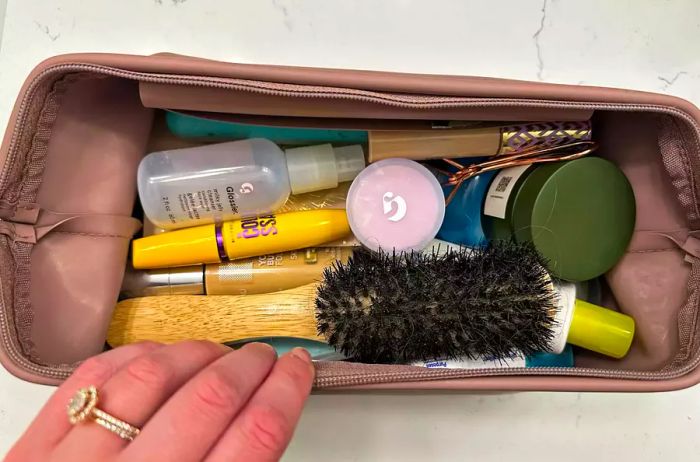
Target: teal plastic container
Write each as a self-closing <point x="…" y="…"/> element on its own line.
<point x="463" y="215"/>
<point x="317" y="350"/>
<point x="187" y="126"/>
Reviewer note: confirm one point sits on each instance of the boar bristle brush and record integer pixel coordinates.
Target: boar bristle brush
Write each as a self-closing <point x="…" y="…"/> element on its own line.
<point x="492" y="302"/>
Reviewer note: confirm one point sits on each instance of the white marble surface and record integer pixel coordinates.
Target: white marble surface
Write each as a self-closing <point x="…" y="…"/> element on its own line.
<point x="649" y="45"/>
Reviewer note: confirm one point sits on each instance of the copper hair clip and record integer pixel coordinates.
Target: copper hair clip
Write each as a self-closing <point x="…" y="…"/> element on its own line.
<point x="541" y="155"/>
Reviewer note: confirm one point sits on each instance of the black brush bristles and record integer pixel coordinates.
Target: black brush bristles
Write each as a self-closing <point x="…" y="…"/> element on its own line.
<point x="492" y="302"/>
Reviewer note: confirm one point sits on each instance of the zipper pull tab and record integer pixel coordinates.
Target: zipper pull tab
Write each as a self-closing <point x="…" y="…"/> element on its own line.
<point x="691" y="246"/>
<point x="18" y="232"/>
<point x="27" y="213"/>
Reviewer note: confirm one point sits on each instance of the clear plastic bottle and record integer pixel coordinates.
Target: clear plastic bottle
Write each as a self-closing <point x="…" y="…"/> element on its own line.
<point x="226" y="181"/>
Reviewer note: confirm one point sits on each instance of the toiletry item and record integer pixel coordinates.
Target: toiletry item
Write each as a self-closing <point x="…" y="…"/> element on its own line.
<point x="239" y="239"/>
<point x="542" y="359"/>
<point x="374" y="308"/>
<point x="226" y="181"/>
<point x="256" y="275"/>
<point x="579" y="214"/>
<point x="188" y="126"/>
<point x="589" y="326"/>
<point x="470" y="142"/>
<point x="395" y="204"/>
<point x="319" y="351"/>
<point x="462" y="222"/>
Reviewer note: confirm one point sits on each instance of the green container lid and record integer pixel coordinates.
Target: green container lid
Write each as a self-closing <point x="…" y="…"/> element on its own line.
<point x="579" y="214"/>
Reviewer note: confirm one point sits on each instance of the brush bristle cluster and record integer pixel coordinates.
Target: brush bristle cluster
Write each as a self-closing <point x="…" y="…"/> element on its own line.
<point x="493" y="302"/>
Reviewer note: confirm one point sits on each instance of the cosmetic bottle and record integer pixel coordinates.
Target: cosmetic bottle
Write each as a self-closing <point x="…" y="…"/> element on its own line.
<point x="563" y="359"/>
<point x="257" y="275"/>
<point x="463" y="215"/>
<point x="589" y="326"/>
<point x="238" y="239"/>
<point x="226" y="181"/>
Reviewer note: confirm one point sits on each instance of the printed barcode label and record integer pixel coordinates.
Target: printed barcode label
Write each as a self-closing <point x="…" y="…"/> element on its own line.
<point x="500" y="190"/>
<point x="503" y="184"/>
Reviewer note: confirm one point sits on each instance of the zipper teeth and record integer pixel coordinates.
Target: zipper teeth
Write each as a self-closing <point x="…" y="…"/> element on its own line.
<point x="432" y="374"/>
<point x="391" y="99"/>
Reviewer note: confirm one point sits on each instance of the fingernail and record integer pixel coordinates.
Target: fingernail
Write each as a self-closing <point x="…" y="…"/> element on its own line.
<point x="261" y="346"/>
<point x="302" y="354"/>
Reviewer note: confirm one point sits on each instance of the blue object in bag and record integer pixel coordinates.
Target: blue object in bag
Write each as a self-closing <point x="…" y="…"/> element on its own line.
<point x="187" y="126"/>
<point x="462" y="223"/>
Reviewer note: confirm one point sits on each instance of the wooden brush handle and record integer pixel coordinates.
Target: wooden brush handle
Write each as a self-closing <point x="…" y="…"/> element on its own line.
<point x="219" y="318"/>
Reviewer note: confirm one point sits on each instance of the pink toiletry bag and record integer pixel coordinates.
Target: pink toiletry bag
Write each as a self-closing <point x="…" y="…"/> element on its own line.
<point x="82" y="123"/>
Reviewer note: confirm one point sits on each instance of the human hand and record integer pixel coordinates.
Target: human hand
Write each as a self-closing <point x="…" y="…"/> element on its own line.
<point x="192" y="401"/>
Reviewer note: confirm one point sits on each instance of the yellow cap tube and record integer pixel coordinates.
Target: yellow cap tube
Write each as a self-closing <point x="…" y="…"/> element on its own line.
<point x="240" y="239"/>
<point x="601" y="330"/>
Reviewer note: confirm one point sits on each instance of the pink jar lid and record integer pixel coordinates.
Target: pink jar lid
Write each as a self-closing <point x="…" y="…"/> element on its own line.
<point x="395" y="204"/>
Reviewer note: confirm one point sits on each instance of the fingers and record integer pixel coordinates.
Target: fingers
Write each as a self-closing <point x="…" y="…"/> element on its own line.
<point x="191" y="422"/>
<point x="137" y="391"/>
<point x="262" y="431"/>
<point x="51" y="424"/>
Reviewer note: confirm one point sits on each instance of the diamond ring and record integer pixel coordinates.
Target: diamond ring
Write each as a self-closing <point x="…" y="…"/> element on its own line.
<point x="83" y="408"/>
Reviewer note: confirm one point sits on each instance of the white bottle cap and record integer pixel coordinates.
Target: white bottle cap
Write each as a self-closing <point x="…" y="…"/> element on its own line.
<point x="312" y="168"/>
<point x="349" y="161"/>
<point x="564" y="315"/>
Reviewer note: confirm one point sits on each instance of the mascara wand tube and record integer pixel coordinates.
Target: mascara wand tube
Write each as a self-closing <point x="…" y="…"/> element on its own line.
<point x="257" y="275"/>
<point x="234" y="240"/>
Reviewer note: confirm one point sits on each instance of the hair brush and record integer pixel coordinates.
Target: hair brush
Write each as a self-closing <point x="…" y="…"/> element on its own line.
<point x="492" y="302"/>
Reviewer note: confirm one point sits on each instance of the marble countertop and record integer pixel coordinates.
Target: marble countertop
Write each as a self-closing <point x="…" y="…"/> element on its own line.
<point x="646" y="45"/>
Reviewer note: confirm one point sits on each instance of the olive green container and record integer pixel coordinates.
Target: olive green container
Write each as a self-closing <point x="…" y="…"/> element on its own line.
<point x="579" y="214"/>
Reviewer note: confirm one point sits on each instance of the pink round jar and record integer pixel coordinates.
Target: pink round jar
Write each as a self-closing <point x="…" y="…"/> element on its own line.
<point x="395" y="204"/>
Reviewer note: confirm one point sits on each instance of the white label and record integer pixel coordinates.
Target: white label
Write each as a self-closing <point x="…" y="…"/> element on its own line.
<point x="466" y="363"/>
<point x="500" y="190"/>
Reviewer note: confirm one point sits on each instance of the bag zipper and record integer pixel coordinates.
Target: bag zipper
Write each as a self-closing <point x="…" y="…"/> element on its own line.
<point x="391" y="99"/>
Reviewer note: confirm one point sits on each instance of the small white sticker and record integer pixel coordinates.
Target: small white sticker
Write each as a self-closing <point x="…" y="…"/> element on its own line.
<point x="500" y="190"/>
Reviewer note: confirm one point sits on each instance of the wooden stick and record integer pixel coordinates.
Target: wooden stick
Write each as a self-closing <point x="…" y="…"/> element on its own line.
<point x="219" y="318"/>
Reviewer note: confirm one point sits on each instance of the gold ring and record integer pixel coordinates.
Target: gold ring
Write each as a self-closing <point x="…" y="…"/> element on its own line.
<point x="83" y="408"/>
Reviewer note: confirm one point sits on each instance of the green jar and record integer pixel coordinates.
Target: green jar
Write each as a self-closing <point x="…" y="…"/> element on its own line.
<point x="579" y="214"/>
